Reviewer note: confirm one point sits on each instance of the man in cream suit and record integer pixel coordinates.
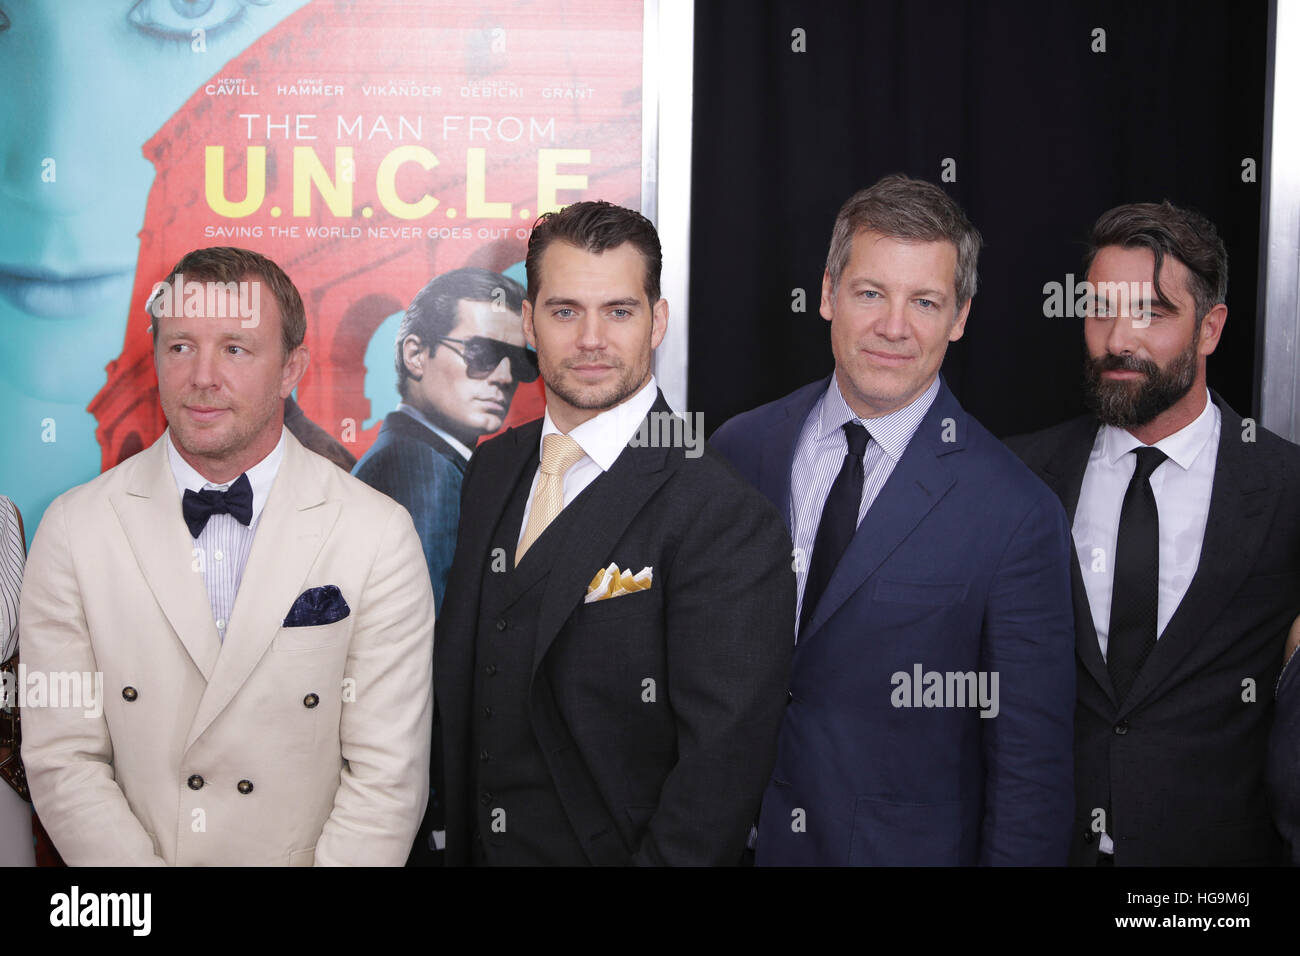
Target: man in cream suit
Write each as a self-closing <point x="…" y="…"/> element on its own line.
<point x="262" y="621"/>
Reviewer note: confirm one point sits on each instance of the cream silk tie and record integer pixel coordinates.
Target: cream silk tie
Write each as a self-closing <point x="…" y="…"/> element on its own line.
<point x="559" y="454"/>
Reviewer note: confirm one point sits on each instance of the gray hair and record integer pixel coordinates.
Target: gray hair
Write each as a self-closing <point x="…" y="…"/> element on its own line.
<point x="912" y="210"/>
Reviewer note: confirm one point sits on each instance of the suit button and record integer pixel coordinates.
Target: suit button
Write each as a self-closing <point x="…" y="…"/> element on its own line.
<point x="310" y="701"/>
<point x="129" y="693"/>
<point x="501" y="624"/>
<point x="1087" y="836"/>
<point x="244" y="786"/>
<point x="1121" y="728"/>
<point x="485" y="798"/>
<point x="490" y="670"/>
<point x="487" y="711"/>
<point x="484" y="756"/>
<point x="195" y="782"/>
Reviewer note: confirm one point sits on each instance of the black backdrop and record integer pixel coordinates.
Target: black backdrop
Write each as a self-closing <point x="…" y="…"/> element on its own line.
<point x="1046" y="135"/>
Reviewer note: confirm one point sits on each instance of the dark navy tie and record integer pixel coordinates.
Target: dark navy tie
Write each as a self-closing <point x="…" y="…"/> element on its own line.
<point x="1135" y="594"/>
<point x="199" y="506"/>
<point x="838" y="522"/>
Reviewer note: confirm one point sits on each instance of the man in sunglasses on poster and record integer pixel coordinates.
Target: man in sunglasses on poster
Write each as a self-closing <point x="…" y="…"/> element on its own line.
<point x="460" y="355"/>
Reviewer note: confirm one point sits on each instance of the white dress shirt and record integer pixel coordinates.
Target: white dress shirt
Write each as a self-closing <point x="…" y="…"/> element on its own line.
<point x="819" y="456"/>
<point x="221" y="550"/>
<point x="461" y="448"/>
<point x="1182" y="487"/>
<point x="603" y="438"/>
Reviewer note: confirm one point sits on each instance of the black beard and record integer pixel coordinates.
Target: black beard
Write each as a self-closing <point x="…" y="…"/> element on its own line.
<point x="1130" y="404"/>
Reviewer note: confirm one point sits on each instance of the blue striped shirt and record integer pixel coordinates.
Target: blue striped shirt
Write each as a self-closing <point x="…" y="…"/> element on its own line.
<point x="221" y="550"/>
<point x="819" y="455"/>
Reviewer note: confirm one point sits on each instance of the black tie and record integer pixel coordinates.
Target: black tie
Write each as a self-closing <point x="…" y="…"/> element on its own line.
<point x="199" y="506"/>
<point x="1135" y="594"/>
<point x="838" y="522"/>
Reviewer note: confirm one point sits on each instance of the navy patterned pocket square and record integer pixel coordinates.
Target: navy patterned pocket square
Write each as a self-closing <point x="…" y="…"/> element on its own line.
<point x="323" y="605"/>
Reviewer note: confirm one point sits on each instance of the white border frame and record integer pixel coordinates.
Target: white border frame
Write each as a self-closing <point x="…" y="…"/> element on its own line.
<point x="667" y="90"/>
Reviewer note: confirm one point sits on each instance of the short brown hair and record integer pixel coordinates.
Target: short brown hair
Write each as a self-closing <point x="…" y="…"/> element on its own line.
<point x="1167" y="230"/>
<point x="912" y="210"/>
<point x="595" y="226"/>
<point x="228" y="264"/>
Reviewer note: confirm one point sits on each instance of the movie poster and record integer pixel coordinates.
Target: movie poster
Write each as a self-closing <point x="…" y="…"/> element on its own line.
<point x="367" y="146"/>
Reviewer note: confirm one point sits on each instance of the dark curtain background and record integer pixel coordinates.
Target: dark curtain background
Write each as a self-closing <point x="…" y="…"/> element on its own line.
<point x="1046" y="136"/>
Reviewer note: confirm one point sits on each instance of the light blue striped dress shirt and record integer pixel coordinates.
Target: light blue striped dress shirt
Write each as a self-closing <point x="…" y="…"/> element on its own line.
<point x="819" y="455"/>
<point x="221" y="550"/>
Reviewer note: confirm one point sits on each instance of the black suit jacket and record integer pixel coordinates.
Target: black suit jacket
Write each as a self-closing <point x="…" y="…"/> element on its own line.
<point x="1182" y="758"/>
<point x="1284" y="759"/>
<point x="639" y="782"/>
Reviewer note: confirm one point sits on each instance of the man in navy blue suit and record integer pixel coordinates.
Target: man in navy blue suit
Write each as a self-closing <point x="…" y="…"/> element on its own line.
<point x="460" y="357"/>
<point x="930" y="707"/>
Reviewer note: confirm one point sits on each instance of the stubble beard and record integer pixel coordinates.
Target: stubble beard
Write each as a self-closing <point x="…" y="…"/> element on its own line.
<point x="221" y="445"/>
<point x="627" y="384"/>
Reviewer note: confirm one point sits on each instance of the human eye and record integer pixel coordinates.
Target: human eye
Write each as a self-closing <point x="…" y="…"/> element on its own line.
<point x="926" y="304"/>
<point x="620" y="313"/>
<point x="177" y="19"/>
<point x="236" y="349"/>
<point x="868" y="294"/>
<point x="564" y="312"/>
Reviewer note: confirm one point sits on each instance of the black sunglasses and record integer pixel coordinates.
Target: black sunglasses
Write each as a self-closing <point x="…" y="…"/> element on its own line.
<point x="483" y="354"/>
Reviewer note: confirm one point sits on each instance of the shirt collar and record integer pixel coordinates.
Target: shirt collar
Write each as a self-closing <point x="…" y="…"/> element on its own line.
<point x="604" y="437"/>
<point x="891" y="432"/>
<point x="464" y="451"/>
<point x="260" y="476"/>
<point x="1182" y="447"/>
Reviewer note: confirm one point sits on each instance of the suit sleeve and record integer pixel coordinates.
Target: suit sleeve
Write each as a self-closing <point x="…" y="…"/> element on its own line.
<point x="67" y="750"/>
<point x="1284" y="758"/>
<point x="729" y="637"/>
<point x="1029" y="746"/>
<point x="387" y="721"/>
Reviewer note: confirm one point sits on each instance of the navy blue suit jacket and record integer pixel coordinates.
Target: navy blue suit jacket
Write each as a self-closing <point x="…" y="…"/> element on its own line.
<point x="423" y="473"/>
<point x="961" y="566"/>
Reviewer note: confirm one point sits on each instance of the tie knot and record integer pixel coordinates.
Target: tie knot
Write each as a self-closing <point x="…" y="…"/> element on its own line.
<point x="857" y="437"/>
<point x="559" y="454"/>
<point x="1149" y="458"/>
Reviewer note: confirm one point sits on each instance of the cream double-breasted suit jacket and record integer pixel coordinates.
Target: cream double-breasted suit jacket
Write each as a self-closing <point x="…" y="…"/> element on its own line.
<point x="284" y="745"/>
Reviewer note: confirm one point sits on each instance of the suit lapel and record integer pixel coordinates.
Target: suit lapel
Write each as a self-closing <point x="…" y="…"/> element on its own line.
<point x="523" y="461"/>
<point x="294" y="524"/>
<point x="778" y="448"/>
<point x="150" y="513"/>
<point x="405" y="426"/>
<point x="611" y="502"/>
<point x="1063" y="473"/>
<point x="920" y="479"/>
<point x="1241" y="504"/>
